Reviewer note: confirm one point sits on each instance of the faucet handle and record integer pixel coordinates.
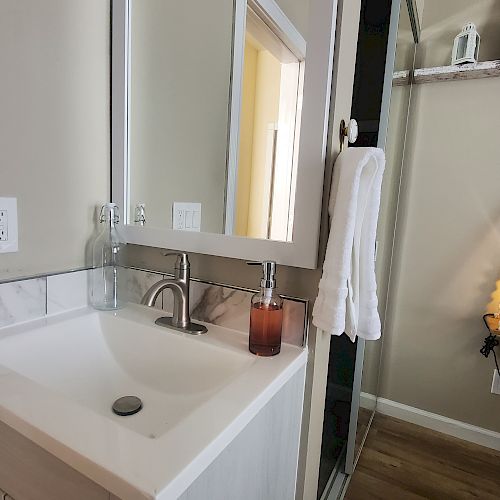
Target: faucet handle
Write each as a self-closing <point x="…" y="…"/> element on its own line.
<point x="182" y="259"/>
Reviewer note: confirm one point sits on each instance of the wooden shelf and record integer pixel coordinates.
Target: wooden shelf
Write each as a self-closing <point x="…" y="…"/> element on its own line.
<point x="400" y="78"/>
<point x="485" y="69"/>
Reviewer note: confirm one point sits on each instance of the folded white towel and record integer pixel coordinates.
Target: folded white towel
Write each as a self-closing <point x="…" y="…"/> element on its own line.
<point x="347" y="299"/>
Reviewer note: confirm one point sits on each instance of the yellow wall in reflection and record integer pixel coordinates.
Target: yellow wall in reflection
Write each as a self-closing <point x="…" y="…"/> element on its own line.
<point x="260" y="108"/>
<point x="246" y="139"/>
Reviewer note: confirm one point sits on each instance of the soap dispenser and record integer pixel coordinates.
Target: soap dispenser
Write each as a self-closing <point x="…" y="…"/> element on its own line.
<point x="266" y="314"/>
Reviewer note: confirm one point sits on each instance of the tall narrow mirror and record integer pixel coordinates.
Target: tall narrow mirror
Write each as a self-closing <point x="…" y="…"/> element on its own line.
<point x="391" y="137"/>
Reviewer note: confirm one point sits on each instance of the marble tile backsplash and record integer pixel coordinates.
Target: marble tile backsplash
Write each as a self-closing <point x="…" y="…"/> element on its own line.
<point x="67" y="291"/>
<point x="134" y="284"/>
<point x="22" y="301"/>
<point x="220" y="305"/>
<point x="30" y="299"/>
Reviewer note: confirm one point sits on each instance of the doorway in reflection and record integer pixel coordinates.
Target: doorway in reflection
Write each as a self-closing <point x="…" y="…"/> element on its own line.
<point x="271" y="105"/>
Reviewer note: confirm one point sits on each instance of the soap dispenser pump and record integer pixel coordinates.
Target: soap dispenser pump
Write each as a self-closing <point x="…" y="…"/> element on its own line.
<point x="266" y="314"/>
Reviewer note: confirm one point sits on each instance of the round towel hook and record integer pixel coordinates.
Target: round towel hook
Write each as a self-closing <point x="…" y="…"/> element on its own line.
<point x="350" y="131"/>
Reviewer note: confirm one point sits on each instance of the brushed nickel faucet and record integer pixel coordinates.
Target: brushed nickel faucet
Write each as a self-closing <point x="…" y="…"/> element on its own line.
<point x="179" y="285"/>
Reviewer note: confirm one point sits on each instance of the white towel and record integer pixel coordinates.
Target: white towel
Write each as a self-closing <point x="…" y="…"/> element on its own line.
<point x="347" y="299"/>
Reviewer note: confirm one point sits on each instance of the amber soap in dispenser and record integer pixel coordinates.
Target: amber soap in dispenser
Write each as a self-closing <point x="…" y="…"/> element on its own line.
<point x="266" y="314"/>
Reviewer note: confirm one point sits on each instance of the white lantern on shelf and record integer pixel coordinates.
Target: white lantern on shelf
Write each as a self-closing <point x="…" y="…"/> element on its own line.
<point x="466" y="45"/>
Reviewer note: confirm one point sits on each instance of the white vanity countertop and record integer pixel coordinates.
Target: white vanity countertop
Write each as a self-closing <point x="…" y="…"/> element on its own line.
<point x="60" y="375"/>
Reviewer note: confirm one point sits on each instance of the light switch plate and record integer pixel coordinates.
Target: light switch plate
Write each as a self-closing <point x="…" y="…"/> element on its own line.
<point x="8" y="225"/>
<point x="186" y="216"/>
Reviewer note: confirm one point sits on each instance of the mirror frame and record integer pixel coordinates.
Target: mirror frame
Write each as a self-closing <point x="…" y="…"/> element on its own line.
<point x="302" y="251"/>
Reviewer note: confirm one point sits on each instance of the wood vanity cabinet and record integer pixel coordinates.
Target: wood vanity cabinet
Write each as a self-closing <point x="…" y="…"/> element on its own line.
<point x="28" y="472"/>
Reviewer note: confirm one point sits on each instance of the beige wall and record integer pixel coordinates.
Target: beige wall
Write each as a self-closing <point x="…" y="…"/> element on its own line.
<point x="298" y="12"/>
<point x="180" y="107"/>
<point x="405" y="44"/>
<point x="448" y="258"/>
<point x="420" y="9"/>
<point x="444" y="19"/>
<point x="54" y="127"/>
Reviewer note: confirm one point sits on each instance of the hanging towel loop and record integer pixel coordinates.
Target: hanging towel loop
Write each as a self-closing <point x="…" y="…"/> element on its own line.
<point x="347" y="296"/>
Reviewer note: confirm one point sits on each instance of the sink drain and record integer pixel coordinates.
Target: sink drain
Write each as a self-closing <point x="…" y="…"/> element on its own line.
<point x="127" y="405"/>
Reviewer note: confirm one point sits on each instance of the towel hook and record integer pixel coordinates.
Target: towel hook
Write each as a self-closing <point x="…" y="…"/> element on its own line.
<point x="350" y="131"/>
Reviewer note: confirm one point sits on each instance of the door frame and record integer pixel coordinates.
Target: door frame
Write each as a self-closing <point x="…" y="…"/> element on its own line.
<point x="345" y="20"/>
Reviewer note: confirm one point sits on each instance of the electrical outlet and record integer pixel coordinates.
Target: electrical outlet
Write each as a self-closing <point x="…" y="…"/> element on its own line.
<point x="186" y="216"/>
<point x="8" y="225"/>
<point x="4" y="225"/>
<point x="495" y="385"/>
<point x="178" y="218"/>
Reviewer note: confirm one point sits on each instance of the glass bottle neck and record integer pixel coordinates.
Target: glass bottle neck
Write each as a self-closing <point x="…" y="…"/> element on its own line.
<point x="108" y="225"/>
<point x="109" y="215"/>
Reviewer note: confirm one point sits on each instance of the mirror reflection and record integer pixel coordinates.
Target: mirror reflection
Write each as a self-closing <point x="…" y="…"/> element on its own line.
<point x="214" y="119"/>
<point x="394" y="149"/>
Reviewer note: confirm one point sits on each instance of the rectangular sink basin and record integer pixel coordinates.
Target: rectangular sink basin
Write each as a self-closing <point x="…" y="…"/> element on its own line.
<point x="97" y="357"/>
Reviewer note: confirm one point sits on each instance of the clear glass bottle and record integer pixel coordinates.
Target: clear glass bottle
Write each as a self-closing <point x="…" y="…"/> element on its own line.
<point x="105" y="275"/>
<point x="266" y="314"/>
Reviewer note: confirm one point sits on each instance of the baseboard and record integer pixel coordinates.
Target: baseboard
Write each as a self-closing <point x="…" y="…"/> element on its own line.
<point x="367" y="400"/>
<point x="455" y="428"/>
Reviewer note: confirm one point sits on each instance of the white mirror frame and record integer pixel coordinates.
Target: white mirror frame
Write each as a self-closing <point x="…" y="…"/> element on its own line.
<point x="303" y="250"/>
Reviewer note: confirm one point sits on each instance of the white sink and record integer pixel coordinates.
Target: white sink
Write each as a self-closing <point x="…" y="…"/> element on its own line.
<point x="59" y="377"/>
<point x="96" y="358"/>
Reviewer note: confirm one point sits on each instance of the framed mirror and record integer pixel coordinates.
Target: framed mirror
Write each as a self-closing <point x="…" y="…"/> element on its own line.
<point x="219" y="131"/>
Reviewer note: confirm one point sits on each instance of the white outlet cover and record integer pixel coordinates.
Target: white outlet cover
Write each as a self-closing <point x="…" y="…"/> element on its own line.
<point x="186" y="216"/>
<point x="9" y="206"/>
<point x="495" y="385"/>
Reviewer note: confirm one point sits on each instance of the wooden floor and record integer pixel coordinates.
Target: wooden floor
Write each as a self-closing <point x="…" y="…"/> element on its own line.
<point x="364" y="417"/>
<point x="402" y="461"/>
